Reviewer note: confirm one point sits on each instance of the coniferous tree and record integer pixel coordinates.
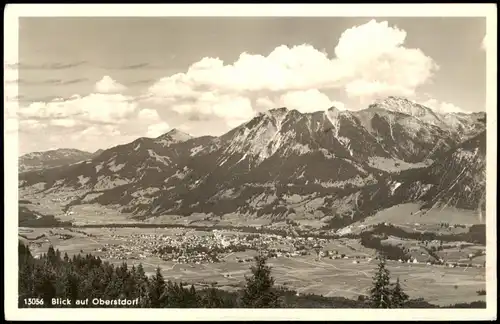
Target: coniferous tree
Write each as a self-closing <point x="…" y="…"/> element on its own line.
<point x="176" y="295"/>
<point x="131" y="284"/>
<point x="123" y="276"/>
<point x="380" y="293"/>
<point x="142" y="286"/>
<point x="88" y="277"/>
<point x="26" y="268"/>
<point x="181" y="297"/>
<point x="259" y="291"/>
<point x="398" y="297"/>
<point x="97" y="284"/>
<point x="51" y="255"/>
<point x="114" y="287"/>
<point x="211" y="299"/>
<point x="70" y="282"/>
<point x="191" y="298"/>
<point x="157" y="290"/>
<point x="47" y="287"/>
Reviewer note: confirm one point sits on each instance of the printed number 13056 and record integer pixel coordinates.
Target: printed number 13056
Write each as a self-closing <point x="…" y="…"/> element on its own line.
<point x="33" y="301"/>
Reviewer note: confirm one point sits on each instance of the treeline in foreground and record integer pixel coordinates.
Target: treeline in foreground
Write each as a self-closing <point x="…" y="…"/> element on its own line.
<point x="60" y="281"/>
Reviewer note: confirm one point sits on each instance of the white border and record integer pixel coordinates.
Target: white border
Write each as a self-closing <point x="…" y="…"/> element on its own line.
<point x="14" y="11"/>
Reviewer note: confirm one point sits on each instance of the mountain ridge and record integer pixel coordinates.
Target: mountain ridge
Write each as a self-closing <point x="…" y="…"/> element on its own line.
<point x="281" y="164"/>
<point x="52" y="158"/>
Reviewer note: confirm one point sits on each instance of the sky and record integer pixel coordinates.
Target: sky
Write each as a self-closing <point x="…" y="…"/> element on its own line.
<point x="96" y="82"/>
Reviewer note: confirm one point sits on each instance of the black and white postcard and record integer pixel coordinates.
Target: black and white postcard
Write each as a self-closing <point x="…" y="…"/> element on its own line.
<point x="231" y="161"/>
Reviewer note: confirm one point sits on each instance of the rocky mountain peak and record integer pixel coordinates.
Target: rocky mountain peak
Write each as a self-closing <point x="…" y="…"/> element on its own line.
<point x="403" y="105"/>
<point x="173" y="136"/>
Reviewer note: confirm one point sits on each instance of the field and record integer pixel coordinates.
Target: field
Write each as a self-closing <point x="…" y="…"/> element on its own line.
<point x="349" y="278"/>
<point x="53" y="203"/>
<point x="406" y="214"/>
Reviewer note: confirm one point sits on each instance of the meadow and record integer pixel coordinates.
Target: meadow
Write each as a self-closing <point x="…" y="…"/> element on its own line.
<point x="348" y="278"/>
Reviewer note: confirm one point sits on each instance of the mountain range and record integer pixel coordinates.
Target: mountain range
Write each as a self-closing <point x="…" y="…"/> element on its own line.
<point x="53" y="158"/>
<point x="334" y="166"/>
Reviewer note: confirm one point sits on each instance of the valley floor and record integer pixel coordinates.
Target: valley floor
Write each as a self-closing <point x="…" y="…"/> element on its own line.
<point x="344" y="269"/>
<point x="347" y="274"/>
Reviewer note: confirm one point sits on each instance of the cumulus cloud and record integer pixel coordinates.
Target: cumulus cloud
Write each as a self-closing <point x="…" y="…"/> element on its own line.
<point x="232" y="108"/>
<point x="184" y="127"/>
<point x="380" y="63"/>
<point x="90" y="121"/>
<point x="366" y="62"/>
<point x="171" y="88"/>
<point x="148" y="115"/>
<point x="308" y="101"/>
<point x="97" y="136"/>
<point x="266" y="103"/>
<point x="369" y="41"/>
<point x="97" y="107"/>
<point x="284" y="69"/>
<point x="108" y="85"/>
<point x="443" y="107"/>
<point x="96" y="131"/>
<point x="156" y="130"/>
<point x="305" y="101"/>
<point x="152" y="122"/>
<point x="369" y="61"/>
<point x="369" y="90"/>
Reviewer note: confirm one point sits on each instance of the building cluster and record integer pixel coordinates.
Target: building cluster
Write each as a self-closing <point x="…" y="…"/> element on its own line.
<point x="218" y="245"/>
<point x="211" y="247"/>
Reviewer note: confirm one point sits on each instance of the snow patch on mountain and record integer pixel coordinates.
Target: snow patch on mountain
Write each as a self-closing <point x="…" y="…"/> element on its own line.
<point x="227" y="194"/>
<point x="327" y="155"/>
<point x="347" y="144"/>
<point x="106" y="182"/>
<point x="90" y="197"/>
<point x="115" y="168"/>
<point x="82" y="180"/>
<point x="196" y="150"/>
<point x="144" y="192"/>
<point x="296" y="198"/>
<point x="163" y="159"/>
<point x="99" y="167"/>
<point x="181" y="174"/>
<point x="395" y="185"/>
<point x="301" y="149"/>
